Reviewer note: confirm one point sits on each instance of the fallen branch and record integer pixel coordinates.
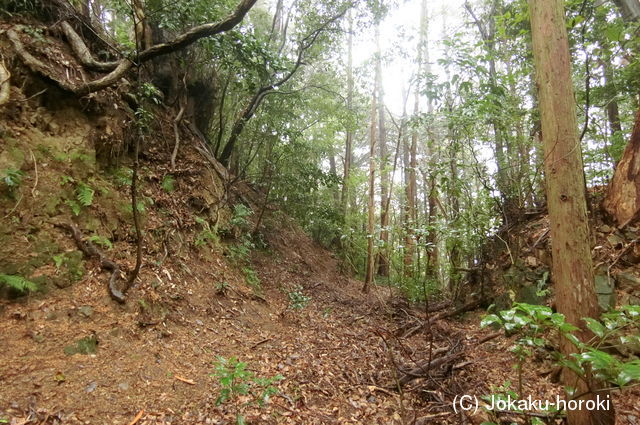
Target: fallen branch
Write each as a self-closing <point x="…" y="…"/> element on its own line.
<point x="471" y="305"/>
<point x="260" y="343"/>
<point x="90" y="250"/>
<point x="423" y="368"/>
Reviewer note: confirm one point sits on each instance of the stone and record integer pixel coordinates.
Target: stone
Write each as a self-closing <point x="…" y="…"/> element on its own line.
<point x="91" y="387"/>
<point x="123" y="386"/>
<point x="605" y="229"/>
<point x="85" y="311"/>
<point x="605" y="289"/>
<point x="502" y="302"/>
<point x="529" y="295"/>
<point x="627" y="280"/>
<point x="616" y="240"/>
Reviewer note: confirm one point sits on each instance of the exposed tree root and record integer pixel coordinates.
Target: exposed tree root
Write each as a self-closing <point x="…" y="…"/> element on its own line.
<point x="176" y="130"/>
<point x="120" y="68"/>
<point x="5" y="87"/>
<point x="91" y="251"/>
<point x="83" y="53"/>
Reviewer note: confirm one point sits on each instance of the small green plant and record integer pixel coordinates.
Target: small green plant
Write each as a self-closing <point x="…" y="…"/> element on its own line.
<point x="12" y="178"/>
<point x="241" y="213"/>
<point x="58" y="260"/>
<point x="241" y="251"/>
<point x="251" y="277"/>
<point x="618" y="327"/>
<point x="168" y="183"/>
<point x="72" y="264"/>
<point x="35" y="32"/>
<point x="101" y="240"/>
<point x="222" y="287"/>
<point x="144" y="118"/>
<point x="206" y="235"/>
<point x="122" y="176"/>
<point x="150" y="92"/>
<point x="18" y="283"/>
<point x="297" y="299"/>
<point x="541" y="285"/>
<point x="236" y="381"/>
<point x="83" y="194"/>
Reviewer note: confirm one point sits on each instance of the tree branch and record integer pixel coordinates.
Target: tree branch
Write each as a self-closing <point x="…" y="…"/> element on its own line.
<point x="122" y="66"/>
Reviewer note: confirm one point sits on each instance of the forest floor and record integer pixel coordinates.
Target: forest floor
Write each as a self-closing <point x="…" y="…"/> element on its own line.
<point x="334" y="354"/>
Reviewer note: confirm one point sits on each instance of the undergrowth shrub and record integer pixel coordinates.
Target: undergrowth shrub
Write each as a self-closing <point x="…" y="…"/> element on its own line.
<point x="237" y="383"/>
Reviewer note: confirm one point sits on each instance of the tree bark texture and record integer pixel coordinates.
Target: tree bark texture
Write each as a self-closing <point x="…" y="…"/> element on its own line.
<point x="572" y="268"/>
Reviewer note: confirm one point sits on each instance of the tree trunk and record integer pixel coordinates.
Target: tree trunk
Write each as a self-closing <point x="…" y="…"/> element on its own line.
<point x="383" y="260"/>
<point x="572" y="268"/>
<point x="371" y="212"/>
<point x="332" y="170"/>
<point x="348" y="149"/>
<point x="411" y="189"/>
<point x="629" y="9"/>
<point x="430" y="185"/>
<point x="622" y="201"/>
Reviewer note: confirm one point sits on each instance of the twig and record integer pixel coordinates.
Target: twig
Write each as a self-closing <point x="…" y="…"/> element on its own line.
<point x="90" y="250"/>
<point x="35" y="166"/>
<point x="396" y="379"/>
<point x="260" y="343"/>
<point x="185" y="380"/>
<point x="14" y="207"/>
<point x="32" y="96"/>
<point x="508" y="249"/>
<point x="176" y="131"/>
<point x="489" y="337"/>
<point x="137" y="418"/>
<point x="136" y="215"/>
<point x="542" y="236"/>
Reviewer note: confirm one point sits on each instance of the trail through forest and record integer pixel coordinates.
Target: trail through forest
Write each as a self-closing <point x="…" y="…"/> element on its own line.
<point x="334" y="354"/>
<point x="210" y="215"/>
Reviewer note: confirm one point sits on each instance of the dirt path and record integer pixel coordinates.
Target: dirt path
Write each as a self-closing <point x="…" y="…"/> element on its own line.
<point x="156" y="353"/>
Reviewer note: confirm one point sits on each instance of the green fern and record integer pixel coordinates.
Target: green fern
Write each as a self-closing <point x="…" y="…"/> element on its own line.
<point x="102" y="241"/>
<point x="75" y="207"/>
<point x="18" y="283"/>
<point x="168" y="183"/>
<point x="84" y="194"/>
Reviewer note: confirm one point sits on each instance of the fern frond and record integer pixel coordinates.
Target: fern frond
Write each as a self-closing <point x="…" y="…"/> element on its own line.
<point x="18" y="283"/>
<point x="84" y="194"/>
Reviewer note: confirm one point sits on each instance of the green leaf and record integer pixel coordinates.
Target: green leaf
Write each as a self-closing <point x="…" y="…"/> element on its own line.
<point x="630" y="371"/>
<point x="595" y="326"/>
<point x="613" y="33"/>
<point x="84" y="194"/>
<point x="75" y="207"/>
<point x="101" y="240"/>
